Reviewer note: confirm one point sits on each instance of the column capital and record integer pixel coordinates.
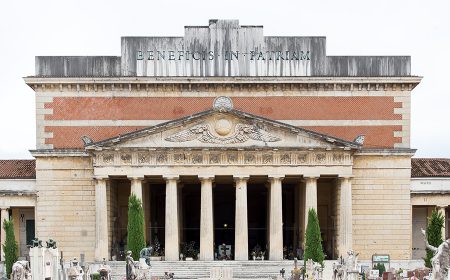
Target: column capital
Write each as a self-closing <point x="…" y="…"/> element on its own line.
<point x="311" y="176"/>
<point x="241" y="178"/>
<point x="275" y="177"/>
<point x="206" y="177"/>
<point x="346" y="177"/>
<point x="171" y="177"/>
<point x="441" y="206"/>
<point x="136" y="178"/>
<point x="100" y="178"/>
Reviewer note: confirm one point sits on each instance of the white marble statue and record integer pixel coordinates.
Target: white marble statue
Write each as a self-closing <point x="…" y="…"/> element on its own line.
<point x="21" y="270"/>
<point x="440" y="262"/>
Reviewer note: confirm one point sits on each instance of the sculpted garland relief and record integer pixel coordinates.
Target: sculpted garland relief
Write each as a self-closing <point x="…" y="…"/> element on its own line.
<point x="151" y="158"/>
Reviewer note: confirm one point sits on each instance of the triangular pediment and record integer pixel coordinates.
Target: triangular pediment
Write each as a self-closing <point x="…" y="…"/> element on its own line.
<point x="224" y="129"/>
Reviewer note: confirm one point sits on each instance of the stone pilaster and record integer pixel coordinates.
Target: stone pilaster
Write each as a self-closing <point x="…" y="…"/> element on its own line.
<point x="276" y="219"/>
<point x="206" y="220"/>
<point x="345" y="218"/>
<point x="241" y="220"/>
<point x="310" y="197"/>
<point x="441" y="209"/>
<point x="101" y="220"/>
<point x="171" y="229"/>
<point x="4" y="215"/>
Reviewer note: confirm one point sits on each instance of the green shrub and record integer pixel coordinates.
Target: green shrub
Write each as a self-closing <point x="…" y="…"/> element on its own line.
<point x="381" y="268"/>
<point x="434" y="233"/>
<point x="313" y="239"/>
<point x="135" y="238"/>
<point x="95" y="276"/>
<point x="10" y="246"/>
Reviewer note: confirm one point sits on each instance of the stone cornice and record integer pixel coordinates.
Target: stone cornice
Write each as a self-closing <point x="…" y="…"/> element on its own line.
<point x="59" y="153"/>
<point x="221" y="83"/>
<point x="386" y="152"/>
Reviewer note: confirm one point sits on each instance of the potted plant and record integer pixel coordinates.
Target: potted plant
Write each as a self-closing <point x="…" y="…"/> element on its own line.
<point x="157" y="252"/>
<point x="189" y="251"/>
<point x="254" y="255"/>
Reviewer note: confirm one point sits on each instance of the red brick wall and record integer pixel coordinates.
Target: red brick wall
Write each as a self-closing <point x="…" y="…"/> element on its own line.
<point x="277" y="108"/>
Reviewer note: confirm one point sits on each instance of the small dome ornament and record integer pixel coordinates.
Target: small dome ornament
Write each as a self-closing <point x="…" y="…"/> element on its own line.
<point x="223" y="104"/>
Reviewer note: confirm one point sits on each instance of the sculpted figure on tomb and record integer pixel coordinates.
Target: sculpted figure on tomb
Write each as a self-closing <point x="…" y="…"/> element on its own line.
<point x="441" y="260"/>
<point x="21" y="270"/>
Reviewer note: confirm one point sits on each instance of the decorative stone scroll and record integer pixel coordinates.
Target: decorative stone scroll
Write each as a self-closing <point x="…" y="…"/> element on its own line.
<point x="210" y="158"/>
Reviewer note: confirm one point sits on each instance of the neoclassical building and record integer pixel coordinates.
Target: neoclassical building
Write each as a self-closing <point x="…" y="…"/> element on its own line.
<point x="228" y="137"/>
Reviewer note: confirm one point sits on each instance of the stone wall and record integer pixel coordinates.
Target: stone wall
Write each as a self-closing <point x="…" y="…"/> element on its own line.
<point x="381" y="206"/>
<point x="65" y="207"/>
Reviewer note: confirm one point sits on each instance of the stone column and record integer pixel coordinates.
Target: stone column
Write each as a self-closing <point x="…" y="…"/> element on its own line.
<point x="310" y="197"/>
<point x="241" y="221"/>
<point x="276" y="219"/>
<point x="206" y="220"/>
<point x="101" y="220"/>
<point x="136" y="187"/>
<point x="441" y="209"/>
<point x="171" y="229"/>
<point x="4" y="215"/>
<point x="345" y="218"/>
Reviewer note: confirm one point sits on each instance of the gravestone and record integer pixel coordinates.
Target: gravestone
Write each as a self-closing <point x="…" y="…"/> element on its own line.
<point x="44" y="261"/>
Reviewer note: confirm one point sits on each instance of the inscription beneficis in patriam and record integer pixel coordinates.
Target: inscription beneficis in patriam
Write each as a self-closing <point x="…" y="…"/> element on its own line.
<point x="225" y="55"/>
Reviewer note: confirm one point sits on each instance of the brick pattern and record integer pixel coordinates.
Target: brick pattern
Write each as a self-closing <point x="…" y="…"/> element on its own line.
<point x="18" y="169"/>
<point x="277" y="108"/>
<point x="382" y="206"/>
<point x="376" y="136"/>
<point x="430" y="167"/>
<point x="70" y="137"/>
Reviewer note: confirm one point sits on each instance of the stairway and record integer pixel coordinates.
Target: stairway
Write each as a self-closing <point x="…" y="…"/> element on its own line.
<point x="201" y="269"/>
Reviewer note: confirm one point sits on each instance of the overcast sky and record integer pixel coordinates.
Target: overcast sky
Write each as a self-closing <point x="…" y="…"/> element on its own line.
<point x="420" y="29"/>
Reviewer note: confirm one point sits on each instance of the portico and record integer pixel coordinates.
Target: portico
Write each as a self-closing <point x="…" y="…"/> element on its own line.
<point x="207" y="155"/>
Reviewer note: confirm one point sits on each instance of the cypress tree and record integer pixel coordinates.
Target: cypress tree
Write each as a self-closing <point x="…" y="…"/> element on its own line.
<point x="10" y="246"/>
<point x="135" y="237"/>
<point x="434" y="233"/>
<point x="313" y="239"/>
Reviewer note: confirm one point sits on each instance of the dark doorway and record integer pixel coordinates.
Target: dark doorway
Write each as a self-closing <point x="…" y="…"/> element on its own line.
<point x="29" y="230"/>
<point x="257" y="201"/>
<point x="289" y="225"/>
<point x="157" y="214"/>
<point x="224" y="210"/>
<point x="190" y="224"/>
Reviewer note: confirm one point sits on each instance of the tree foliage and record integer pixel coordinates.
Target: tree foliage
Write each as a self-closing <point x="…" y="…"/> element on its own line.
<point x="135" y="237"/>
<point x="313" y="239"/>
<point x="10" y="246"/>
<point x="434" y="233"/>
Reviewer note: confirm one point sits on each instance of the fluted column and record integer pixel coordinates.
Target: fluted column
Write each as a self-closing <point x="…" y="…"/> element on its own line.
<point x="241" y="221"/>
<point x="310" y="197"/>
<point x="171" y="228"/>
<point x="441" y="209"/>
<point x="206" y="220"/>
<point x="4" y="215"/>
<point x="101" y="220"/>
<point x="276" y="219"/>
<point x="345" y="218"/>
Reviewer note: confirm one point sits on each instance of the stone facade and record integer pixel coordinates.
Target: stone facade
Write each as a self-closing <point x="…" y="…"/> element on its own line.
<point x="111" y="126"/>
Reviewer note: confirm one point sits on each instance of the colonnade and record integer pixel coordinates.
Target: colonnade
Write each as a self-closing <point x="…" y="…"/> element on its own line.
<point x="275" y="238"/>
